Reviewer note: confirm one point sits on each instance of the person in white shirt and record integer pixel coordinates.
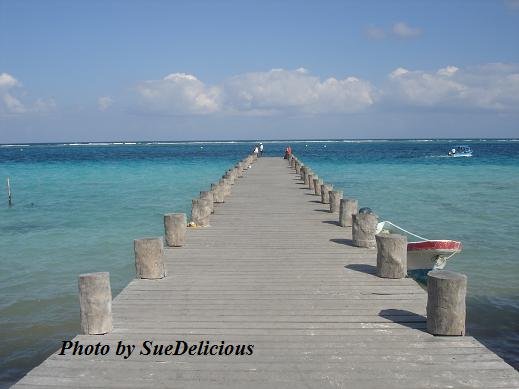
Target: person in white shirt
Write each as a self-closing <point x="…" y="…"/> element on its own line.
<point x="261" y="149"/>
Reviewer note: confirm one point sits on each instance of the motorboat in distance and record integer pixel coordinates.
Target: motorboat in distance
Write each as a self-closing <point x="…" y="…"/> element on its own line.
<point x="460" y="151"/>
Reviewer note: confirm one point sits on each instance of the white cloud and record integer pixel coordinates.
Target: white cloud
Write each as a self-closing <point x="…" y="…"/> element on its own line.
<point x="296" y="91"/>
<point x="492" y="86"/>
<point x="259" y="93"/>
<point x="447" y="71"/>
<point x="179" y="93"/>
<point x="402" y="30"/>
<point x="7" y="81"/>
<point x="104" y="102"/>
<point x="10" y="104"/>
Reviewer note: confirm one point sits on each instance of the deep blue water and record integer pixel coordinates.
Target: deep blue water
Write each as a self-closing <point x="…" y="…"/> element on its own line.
<point x="78" y="208"/>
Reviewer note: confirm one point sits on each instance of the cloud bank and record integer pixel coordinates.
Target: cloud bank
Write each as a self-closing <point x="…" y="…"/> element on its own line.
<point x="11" y="104"/>
<point x="489" y="87"/>
<point x="273" y="92"/>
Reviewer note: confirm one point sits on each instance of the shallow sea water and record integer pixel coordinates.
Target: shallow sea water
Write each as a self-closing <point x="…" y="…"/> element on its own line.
<point x="78" y="208"/>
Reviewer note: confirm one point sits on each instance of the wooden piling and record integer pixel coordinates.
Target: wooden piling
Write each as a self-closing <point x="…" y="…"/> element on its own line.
<point x="446" y="310"/>
<point x="218" y="194"/>
<point x="207" y="195"/>
<point x="311" y="177"/>
<point x="335" y="197"/>
<point x="317" y="186"/>
<point x="95" y="303"/>
<point x="149" y="258"/>
<point x="363" y="230"/>
<point x="303" y="172"/>
<point x="200" y="211"/>
<point x="347" y="209"/>
<point x="306" y="176"/>
<point x="175" y="225"/>
<point x="391" y="255"/>
<point x="325" y="193"/>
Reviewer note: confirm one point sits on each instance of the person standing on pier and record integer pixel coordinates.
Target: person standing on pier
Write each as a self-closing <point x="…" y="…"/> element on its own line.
<point x="288" y="151"/>
<point x="261" y="150"/>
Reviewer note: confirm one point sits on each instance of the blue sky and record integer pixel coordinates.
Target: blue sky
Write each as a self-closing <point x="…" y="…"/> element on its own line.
<point x="167" y="70"/>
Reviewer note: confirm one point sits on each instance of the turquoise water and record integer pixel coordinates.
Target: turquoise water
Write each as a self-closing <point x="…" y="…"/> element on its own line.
<point x="78" y="208"/>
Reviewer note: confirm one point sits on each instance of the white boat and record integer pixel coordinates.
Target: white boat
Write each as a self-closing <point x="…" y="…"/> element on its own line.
<point x="423" y="254"/>
<point x="460" y="151"/>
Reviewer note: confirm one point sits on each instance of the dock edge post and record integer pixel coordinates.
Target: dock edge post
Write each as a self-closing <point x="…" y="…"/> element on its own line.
<point x="391" y="255"/>
<point x="95" y="303"/>
<point x="175" y="226"/>
<point x="149" y="258"/>
<point x="347" y="209"/>
<point x="363" y="229"/>
<point x="446" y="306"/>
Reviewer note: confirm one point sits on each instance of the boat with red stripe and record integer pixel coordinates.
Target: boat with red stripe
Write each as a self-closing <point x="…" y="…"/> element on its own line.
<point x="423" y="254"/>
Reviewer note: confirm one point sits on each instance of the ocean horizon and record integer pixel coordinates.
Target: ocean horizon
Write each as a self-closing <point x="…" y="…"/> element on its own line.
<point x="79" y="205"/>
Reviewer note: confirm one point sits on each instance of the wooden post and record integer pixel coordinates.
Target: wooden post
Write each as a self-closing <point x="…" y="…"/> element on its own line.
<point x="363" y="230"/>
<point x="325" y="193"/>
<point x="175" y="225"/>
<point x="217" y="193"/>
<point x="9" y="195"/>
<point x="200" y="211"/>
<point x="317" y="186"/>
<point x="335" y="200"/>
<point x="347" y="209"/>
<point x="209" y="197"/>
<point x="306" y="176"/>
<point x="149" y="258"/>
<point x="95" y="303"/>
<point x="311" y="179"/>
<point x="391" y="255"/>
<point x="302" y="173"/>
<point x="446" y="310"/>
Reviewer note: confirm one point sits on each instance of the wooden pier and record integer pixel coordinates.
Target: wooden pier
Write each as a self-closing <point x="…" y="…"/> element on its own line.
<point x="274" y="270"/>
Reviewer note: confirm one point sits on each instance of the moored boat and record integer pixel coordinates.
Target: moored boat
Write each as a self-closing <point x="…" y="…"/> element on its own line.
<point x="423" y="254"/>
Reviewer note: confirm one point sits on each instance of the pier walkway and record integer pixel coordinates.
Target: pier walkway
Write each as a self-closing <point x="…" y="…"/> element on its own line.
<point x="275" y="271"/>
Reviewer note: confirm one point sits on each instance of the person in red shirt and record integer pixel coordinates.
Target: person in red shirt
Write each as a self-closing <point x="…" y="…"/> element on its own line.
<point x="288" y="151"/>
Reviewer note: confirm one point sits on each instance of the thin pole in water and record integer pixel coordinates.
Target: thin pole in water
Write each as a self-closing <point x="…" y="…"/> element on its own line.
<point x="9" y="197"/>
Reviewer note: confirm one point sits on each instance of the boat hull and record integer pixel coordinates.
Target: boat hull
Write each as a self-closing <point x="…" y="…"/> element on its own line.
<point x="430" y="254"/>
<point x="460" y="155"/>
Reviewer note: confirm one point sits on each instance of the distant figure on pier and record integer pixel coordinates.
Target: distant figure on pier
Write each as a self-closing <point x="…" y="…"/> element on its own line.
<point x="261" y="149"/>
<point x="256" y="150"/>
<point x="288" y="151"/>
